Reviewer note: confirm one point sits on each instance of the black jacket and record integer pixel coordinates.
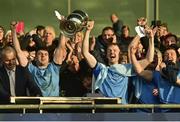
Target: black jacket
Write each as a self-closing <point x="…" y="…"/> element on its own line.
<point x="23" y="81"/>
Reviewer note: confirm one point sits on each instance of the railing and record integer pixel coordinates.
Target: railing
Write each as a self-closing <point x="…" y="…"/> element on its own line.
<point x="82" y="106"/>
<point x="90" y="104"/>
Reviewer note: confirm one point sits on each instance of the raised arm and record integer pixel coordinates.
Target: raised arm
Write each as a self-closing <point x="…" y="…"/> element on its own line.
<point x="87" y="55"/>
<point x="134" y="42"/>
<point x="141" y="22"/>
<point x="142" y="29"/>
<point x="150" y="53"/>
<point x="117" y="24"/>
<point x="70" y="53"/>
<point x="142" y="64"/>
<point x="146" y="74"/>
<point x="59" y="54"/>
<point x="23" y="61"/>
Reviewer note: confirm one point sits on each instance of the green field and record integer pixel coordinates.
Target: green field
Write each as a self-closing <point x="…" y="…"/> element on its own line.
<point x="35" y="12"/>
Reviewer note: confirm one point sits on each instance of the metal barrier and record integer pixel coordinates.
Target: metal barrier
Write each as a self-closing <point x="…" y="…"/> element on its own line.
<point x="92" y="104"/>
<point x="82" y="106"/>
<point x="59" y="103"/>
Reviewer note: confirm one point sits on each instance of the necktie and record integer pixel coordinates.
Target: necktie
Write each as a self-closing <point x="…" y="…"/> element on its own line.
<point x="12" y="83"/>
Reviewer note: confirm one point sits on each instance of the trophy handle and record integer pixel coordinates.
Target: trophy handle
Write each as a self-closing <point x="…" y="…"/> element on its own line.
<point x="58" y="15"/>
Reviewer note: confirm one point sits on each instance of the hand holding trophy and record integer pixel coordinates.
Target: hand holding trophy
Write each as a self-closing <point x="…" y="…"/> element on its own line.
<point x="141" y="24"/>
<point x="73" y="23"/>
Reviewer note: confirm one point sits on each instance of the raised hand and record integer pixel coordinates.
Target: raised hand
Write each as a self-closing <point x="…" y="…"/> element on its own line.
<point x="68" y="45"/>
<point x="155" y="29"/>
<point x="141" y="24"/>
<point x="142" y="21"/>
<point x="90" y="25"/>
<point x="92" y="43"/>
<point x="13" y="25"/>
<point x="149" y="32"/>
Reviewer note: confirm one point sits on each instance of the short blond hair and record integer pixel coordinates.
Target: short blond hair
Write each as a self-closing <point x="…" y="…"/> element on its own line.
<point x="52" y="30"/>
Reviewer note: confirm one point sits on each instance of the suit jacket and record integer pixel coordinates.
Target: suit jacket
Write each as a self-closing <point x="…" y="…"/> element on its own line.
<point x="23" y="81"/>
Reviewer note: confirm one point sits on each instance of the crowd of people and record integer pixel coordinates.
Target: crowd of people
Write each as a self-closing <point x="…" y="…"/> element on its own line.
<point x="139" y="69"/>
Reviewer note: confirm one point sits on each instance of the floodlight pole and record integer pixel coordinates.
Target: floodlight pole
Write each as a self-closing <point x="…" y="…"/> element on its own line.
<point x="69" y="7"/>
<point x="152" y="10"/>
<point x="156" y="9"/>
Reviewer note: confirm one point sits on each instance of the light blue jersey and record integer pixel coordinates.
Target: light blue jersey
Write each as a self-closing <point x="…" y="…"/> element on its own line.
<point x="47" y="79"/>
<point x="113" y="80"/>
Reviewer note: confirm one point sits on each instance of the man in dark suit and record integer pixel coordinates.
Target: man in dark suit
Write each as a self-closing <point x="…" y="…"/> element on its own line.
<point x="14" y="79"/>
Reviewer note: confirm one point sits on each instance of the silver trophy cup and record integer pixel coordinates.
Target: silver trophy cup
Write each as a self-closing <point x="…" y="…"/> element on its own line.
<point x="74" y="23"/>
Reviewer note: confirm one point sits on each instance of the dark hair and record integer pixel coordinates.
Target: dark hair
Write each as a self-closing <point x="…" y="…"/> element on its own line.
<point x="42" y="48"/>
<point x="125" y="26"/>
<point x="155" y="23"/>
<point x="113" y="44"/>
<point x="39" y="28"/>
<point x="164" y="25"/>
<point x="107" y="28"/>
<point x="173" y="47"/>
<point x="171" y="35"/>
